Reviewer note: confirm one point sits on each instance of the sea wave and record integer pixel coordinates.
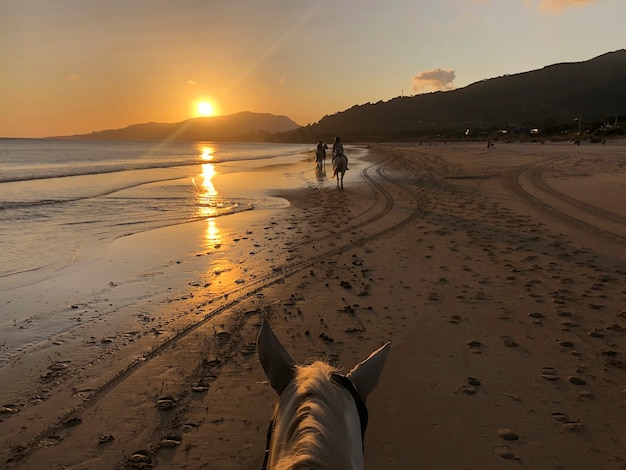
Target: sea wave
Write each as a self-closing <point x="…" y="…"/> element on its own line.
<point x="34" y="161"/>
<point x="24" y="174"/>
<point x="56" y="197"/>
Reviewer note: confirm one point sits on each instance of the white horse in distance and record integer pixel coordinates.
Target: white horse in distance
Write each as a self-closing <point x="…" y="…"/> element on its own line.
<point x="340" y="164"/>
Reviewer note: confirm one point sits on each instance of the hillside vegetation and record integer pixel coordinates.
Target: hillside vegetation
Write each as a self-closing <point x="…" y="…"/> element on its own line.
<point x="553" y="100"/>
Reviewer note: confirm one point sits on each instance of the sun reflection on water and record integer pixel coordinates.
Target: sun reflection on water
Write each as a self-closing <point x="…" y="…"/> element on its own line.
<point x="207" y="200"/>
<point x="208" y="172"/>
<point x="213" y="235"/>
<point x="206" y="152"/>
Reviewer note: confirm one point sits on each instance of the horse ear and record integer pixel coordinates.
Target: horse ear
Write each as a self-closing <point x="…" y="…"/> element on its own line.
<point x="365" y="375"/>
<point x="277" y="363"/>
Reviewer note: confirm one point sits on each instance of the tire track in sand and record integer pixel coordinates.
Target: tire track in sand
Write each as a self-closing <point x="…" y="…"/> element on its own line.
<point x="574" y="212"/>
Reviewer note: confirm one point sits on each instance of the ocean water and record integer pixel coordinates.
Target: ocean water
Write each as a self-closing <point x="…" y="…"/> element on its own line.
<point x="60" y="197"/>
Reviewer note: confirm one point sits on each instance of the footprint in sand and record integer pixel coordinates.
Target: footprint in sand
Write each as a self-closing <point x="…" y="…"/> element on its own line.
<point x="139" y="459"/>
<point x="574" y="379"/>
<point x="475" y="346"/>
<point x="509" y="342"/>
<point x="470" y="388"/>
<point x="199" y="388"/>
<point x="568" y="325"/>
<point x="169" y="442"/>
<point x="572" y="425"/>
<point x="71" y="422"/>
<point x="595" y="334"/>
<point x="507" y="434"/>
<point x="214" y="362"/>
<point x="326" y="338"/>
<point x="558" y="416"/>
<point x="504" y="451"/>
<point x="568" y="423"/>
<point x="611" y="359"/>
<point x="537" y="318"/>
<point x="8" y="409"/>
<point x="615" y="327"/>
<point x="473" y="381"/>
<point x="166" y="403"/>
<point x="586" y="394"/>
<point x="104" y="439"/>
<point x="549" y="373"/>
<point x="248" y="349"/>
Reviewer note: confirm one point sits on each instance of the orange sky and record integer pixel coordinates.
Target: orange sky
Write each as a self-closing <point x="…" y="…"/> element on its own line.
<point x="75" y="66"/>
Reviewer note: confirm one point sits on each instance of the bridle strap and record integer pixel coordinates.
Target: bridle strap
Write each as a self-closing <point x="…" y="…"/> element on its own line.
<point x="346" y="383"/>
<point x="268" y="442"/>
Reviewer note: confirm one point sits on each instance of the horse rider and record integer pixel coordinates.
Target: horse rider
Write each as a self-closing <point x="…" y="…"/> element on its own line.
<point x="338" y="150"/>
<point x="320" y="153"/>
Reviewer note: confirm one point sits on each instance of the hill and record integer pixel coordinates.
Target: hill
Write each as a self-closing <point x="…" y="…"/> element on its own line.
<point x="555" y="99"/>
<point x="240" y="127"/>
<point x="551" y="99"/>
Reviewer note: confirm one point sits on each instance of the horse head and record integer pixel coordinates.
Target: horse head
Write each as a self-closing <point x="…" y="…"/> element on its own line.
<point x="320" y="418"/>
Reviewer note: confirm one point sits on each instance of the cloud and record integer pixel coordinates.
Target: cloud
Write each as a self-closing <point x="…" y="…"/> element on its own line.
<point x="551" y="6"/>
<point x="191" y="82"/>
<point x="434" y="80"/>
<point x="555" y="6"/>
<point x="282" y="81"/>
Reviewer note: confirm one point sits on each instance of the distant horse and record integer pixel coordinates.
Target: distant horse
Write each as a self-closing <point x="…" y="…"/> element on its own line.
<point x="340" y="164"/>
<point x="319" y="159"/>
<point x="320" y="418"/>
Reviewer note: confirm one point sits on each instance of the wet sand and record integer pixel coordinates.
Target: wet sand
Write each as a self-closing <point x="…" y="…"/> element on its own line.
<point x="499" y="276"/>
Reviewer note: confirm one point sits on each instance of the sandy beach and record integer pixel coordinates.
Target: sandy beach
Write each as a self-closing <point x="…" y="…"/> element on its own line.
<point x="499" y="276"/>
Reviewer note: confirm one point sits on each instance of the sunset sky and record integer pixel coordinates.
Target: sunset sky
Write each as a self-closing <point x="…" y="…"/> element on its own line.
<point x="75" y="66"/>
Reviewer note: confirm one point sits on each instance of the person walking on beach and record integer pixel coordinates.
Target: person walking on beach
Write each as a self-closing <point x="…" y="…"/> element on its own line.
<point x="338" y="150"/>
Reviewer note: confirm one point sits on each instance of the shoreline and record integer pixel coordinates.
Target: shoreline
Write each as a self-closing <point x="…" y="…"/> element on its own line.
<point x="440" y="250"/>
<point x="104" y="297"/>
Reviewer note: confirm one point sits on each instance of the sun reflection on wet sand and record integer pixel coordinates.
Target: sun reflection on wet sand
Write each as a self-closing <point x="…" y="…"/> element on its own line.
<point x="213" y="235"/>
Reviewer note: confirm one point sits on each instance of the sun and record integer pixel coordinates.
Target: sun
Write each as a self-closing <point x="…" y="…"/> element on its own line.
<point x="205" y="109"/>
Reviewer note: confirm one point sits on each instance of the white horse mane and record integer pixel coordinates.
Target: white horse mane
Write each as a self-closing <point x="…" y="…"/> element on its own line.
<point x="309" y="433"/>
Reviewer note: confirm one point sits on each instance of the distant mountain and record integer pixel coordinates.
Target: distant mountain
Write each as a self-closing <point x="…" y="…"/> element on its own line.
<point x="550" y="99"/>
<point x="240" y="126"/>
<point x="557" y="98"/>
